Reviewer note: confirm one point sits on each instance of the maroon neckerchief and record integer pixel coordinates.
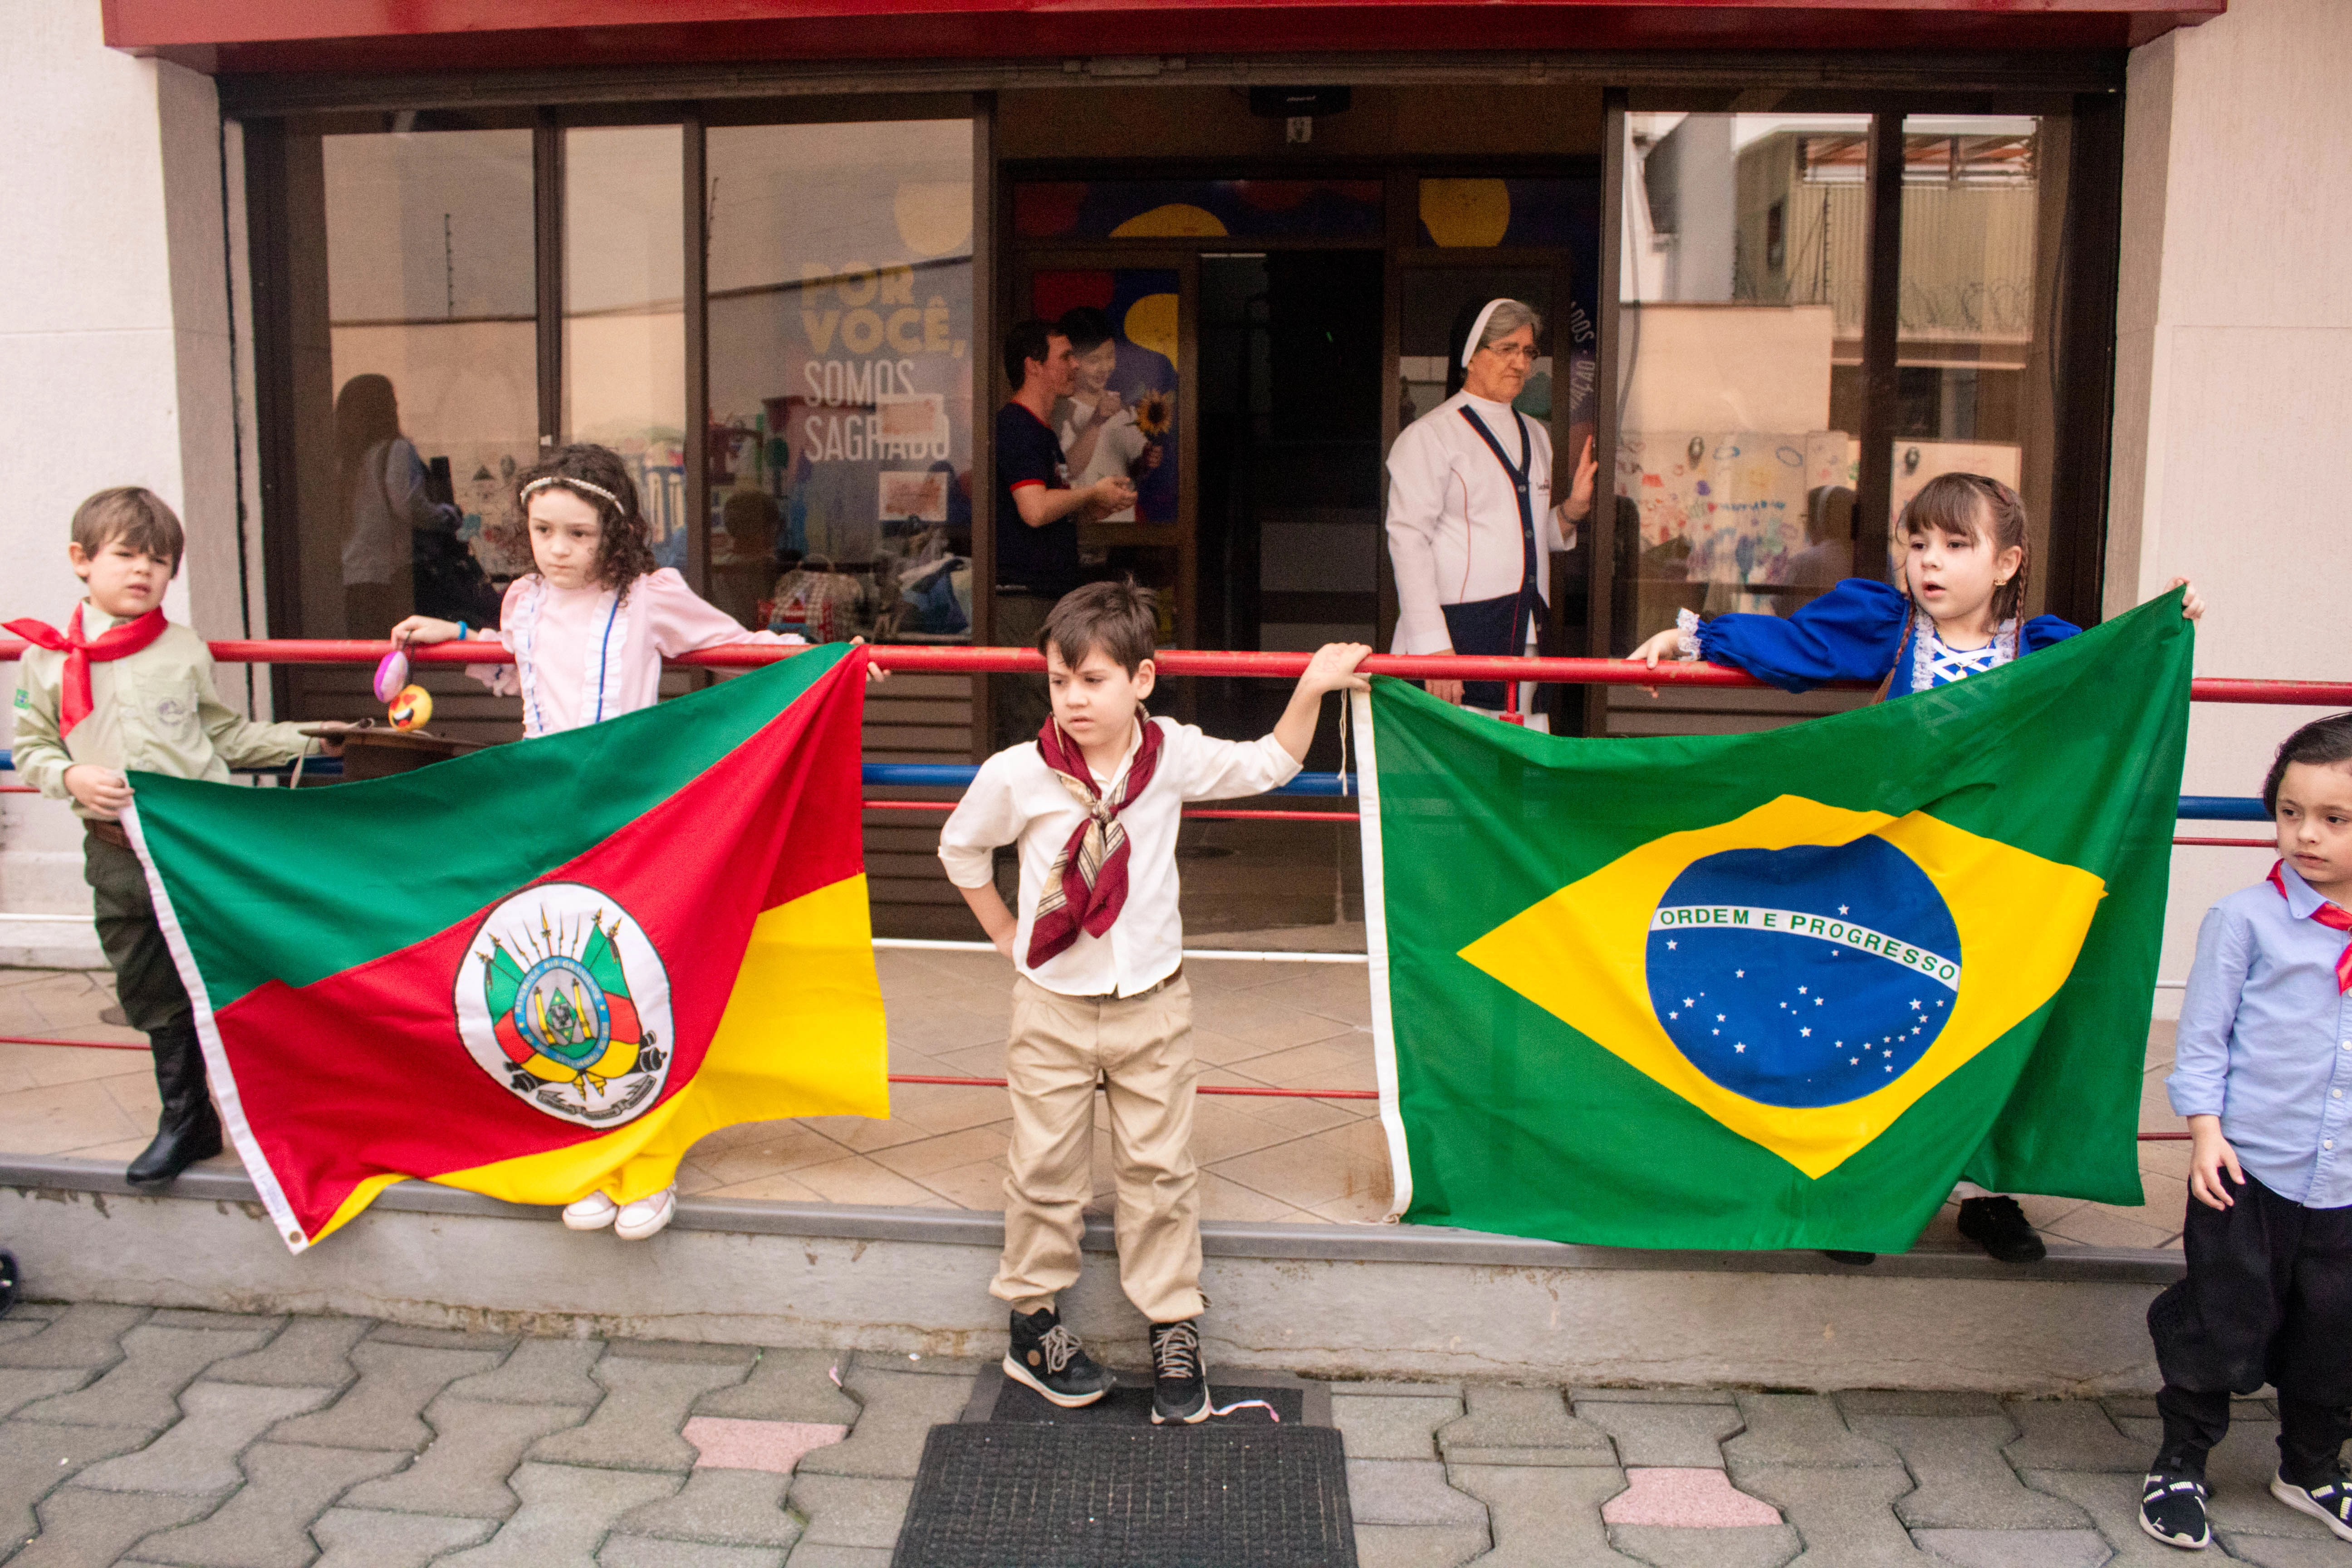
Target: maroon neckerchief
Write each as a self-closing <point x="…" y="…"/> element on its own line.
<point x="2328" y="915"/>
<point x="74" y="701"/>
<point x="1086" y="887"/>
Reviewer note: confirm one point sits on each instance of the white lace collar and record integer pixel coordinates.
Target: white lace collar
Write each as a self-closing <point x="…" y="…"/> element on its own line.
<point x="601" y="665"/>
<point x="1935" y="662"/>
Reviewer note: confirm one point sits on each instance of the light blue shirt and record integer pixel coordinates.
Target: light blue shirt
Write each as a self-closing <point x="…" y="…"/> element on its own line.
<point x="2266" y="1041"/>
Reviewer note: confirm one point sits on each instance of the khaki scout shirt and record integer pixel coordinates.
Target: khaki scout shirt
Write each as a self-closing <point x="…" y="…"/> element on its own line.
<point x="155" y="710"/>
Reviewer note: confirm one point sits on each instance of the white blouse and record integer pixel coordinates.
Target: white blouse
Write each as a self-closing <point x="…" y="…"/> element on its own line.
<point x="1454" y="519"/>
<point x="586" y="653"/>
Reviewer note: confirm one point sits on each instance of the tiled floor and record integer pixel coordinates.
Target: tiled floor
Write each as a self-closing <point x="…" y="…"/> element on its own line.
<point x="1283" y="1024"/>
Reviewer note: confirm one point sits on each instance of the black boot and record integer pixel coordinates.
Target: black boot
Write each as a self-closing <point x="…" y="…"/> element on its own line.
<point x="1998" y="1226"/>
<point x="189" y="1129"/>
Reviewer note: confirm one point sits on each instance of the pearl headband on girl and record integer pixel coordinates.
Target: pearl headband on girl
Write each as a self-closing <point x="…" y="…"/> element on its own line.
<point x="1478" y="329"/>
<point x="568" y="482"/>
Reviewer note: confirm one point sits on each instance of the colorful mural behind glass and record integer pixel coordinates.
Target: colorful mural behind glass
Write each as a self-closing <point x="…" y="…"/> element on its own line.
<point x="1550" y="215"/>
<point x="1198" y="209"/>
<point x="1128" y="385"/>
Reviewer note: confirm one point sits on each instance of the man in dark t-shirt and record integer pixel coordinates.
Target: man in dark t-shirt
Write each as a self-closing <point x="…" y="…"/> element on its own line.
<point x="1037" y="513"/>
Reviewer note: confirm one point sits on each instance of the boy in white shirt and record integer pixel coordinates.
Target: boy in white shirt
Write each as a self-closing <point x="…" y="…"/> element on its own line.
<point x="1095" y="803"/>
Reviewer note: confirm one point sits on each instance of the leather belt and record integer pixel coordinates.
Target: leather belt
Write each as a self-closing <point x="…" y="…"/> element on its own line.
<point x="1172" y="977"/>
<point x="107" y="832"/>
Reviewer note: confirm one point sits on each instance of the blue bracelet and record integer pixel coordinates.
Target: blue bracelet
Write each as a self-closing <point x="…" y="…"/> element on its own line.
<point x="462" y="630"/>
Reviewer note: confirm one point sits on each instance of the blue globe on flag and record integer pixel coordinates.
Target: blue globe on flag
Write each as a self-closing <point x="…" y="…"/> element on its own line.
<point x="1807" y="977"/>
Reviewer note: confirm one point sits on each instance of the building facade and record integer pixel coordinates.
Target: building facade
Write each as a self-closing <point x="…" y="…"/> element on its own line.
<point x="1796" y="261"/>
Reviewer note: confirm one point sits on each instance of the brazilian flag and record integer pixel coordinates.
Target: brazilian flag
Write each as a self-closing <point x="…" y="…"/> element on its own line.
<point x="1776" y="990"/>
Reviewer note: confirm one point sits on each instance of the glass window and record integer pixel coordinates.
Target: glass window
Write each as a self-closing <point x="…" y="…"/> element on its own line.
<point x="625" y="311"/>
<point x="1972" y="382"/>
<point x="841" y="378"/>
<point x="1743" y="291"/>
<point x="412" y="422"/>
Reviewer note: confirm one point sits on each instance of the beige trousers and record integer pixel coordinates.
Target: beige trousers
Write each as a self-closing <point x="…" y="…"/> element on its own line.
<point x="1141" y="1047"/>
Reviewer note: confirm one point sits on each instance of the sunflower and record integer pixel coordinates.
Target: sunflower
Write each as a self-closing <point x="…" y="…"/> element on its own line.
<point x="1153" y="411"/>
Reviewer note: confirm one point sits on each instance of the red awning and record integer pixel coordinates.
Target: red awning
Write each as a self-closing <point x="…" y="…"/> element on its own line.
<point x="372" y="37"/>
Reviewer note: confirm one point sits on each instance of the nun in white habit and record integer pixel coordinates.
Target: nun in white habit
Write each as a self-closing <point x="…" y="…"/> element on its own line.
<point x="1471" y="522"/>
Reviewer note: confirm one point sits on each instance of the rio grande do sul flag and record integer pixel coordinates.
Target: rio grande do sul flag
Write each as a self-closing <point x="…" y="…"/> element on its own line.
<point x="537" y="969"/>
<point x="1776" y="990"/>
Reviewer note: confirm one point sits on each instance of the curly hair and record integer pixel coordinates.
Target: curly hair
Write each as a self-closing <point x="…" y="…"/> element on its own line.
<point x="598" y="475"/>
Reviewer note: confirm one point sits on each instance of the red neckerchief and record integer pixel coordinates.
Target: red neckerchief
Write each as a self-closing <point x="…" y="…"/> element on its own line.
<point x="2334" y="919"/>
<point x="74" y="700"/>
<point x="1086" y="887"/>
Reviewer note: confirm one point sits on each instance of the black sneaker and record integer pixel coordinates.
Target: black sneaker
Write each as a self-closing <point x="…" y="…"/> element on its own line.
<point x="2000" y="1227"/>
<point x="2172" y="1509"/>
<point x="1180" y="1385"/>
<point x="1851" y="1259"/>
<point x="2330" y="1501"/>
<point x="1048" y="1358"/>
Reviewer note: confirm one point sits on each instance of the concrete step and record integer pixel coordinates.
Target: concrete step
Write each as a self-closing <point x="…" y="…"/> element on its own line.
<point x="1327" y="1300"/>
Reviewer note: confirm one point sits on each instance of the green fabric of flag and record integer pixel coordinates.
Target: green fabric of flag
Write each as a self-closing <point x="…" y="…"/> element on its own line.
<point x="1777" y="990"/>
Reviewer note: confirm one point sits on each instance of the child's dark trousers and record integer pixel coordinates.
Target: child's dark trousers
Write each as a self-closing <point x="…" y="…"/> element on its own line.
<point x="2267" y="1299"/>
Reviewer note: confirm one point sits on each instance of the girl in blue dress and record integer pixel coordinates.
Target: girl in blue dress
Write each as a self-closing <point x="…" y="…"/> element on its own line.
<point x="1957" y="613"/>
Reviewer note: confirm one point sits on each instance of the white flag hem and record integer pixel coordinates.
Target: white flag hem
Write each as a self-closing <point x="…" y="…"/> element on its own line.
<point x="1376" y="945"/>
<point x="224" y="1082"/>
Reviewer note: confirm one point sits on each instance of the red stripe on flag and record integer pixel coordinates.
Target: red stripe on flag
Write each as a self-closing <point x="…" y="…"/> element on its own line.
<point x="363" y="1073"/>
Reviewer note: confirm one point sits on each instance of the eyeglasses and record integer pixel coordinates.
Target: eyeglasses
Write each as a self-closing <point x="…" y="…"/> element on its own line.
<point x="1511" y="352"/>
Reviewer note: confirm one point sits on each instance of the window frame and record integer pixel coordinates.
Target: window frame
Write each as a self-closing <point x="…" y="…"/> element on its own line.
<point x="2082" y="330"/>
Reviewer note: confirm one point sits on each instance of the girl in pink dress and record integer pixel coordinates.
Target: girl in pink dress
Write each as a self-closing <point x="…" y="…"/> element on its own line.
<point x="589" y="631"/>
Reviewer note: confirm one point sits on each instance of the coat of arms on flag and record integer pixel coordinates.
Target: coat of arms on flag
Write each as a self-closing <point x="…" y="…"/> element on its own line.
<point x="577" y="955"/>
<point x="550" y="1012"/>
<point x="1779" y="989"/>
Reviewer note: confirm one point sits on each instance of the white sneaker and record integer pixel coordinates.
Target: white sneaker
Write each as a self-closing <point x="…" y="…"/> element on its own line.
<point x="594" y="1212"/>
<point x="647" y="1215"/>
<point x="2330" y="1502"/>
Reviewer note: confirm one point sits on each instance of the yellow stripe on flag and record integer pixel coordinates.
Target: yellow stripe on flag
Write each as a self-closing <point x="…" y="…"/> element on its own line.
<point x="803" y="1035"/>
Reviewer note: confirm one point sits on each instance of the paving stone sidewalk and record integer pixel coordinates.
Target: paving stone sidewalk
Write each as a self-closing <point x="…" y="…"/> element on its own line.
<point x="177" y="1439"/>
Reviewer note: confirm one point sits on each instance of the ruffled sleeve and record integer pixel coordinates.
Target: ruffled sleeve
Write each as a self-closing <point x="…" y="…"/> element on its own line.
<point x="502" y="678"/>
<point x="2041" y="631"/>
<point x="679" y="620"/>
<point x="1851" y="633"/>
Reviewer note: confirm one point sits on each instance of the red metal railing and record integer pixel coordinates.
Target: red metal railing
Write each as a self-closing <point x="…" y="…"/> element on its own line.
<point x="1194" y="661"/>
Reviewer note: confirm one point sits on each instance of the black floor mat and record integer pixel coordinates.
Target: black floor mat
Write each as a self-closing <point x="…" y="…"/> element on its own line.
<point x="1129" y="1405"/>
<point x="1013" y="1494"/>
